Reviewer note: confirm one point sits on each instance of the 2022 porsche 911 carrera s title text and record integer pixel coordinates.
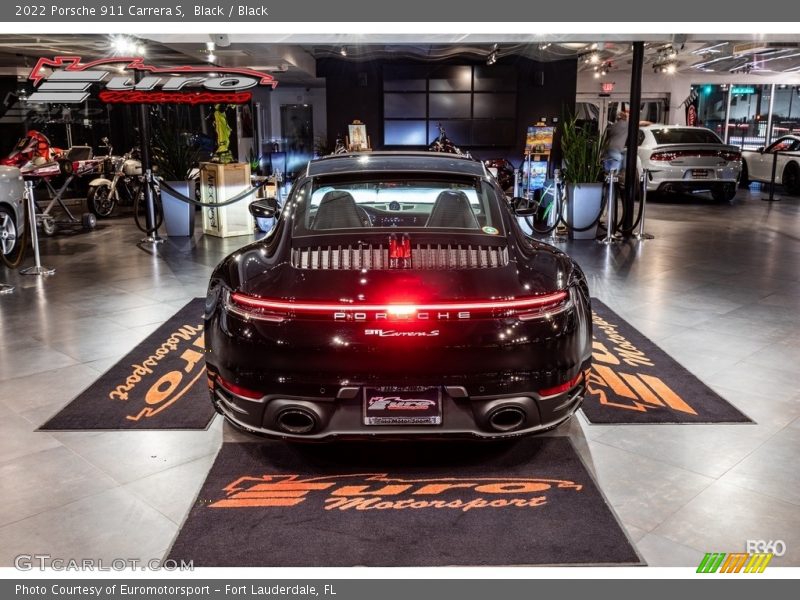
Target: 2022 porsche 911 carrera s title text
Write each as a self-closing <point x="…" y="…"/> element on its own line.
<point x="396" y="296"/>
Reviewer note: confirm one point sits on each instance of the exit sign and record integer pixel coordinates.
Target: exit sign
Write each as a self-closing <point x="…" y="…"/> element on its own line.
<point x="607" y="87"/>
<point x="743" y="89"/>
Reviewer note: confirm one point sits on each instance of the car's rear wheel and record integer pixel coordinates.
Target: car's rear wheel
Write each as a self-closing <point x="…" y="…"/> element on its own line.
<point x="744" y="178"/>
<point x="9" y="234"/>
<point x="724" y="193"/>
<point x="791" y="178"/>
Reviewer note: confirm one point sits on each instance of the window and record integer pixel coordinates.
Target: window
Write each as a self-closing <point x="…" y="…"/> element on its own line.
<point x="747" y="121"/>
<point x="396" y="202"/>
<point x="685" y="136"/>
<point x="784" y="145"/>
<point x="786" y="110"/>
<point x="476" y="105"/>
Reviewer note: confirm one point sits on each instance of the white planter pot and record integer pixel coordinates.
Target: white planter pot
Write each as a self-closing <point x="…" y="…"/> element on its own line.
<point x="178" y="215"/>
<point x="583" y="207"/>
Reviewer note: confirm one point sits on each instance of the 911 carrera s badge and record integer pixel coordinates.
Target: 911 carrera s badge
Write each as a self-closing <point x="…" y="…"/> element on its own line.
<point x="402" y="406"/>
<point x="396" y="333"/>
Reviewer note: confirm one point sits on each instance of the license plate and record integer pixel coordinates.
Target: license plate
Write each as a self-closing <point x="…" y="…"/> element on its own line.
<point x="699" y="173"/>
<point x="403" y="406"/>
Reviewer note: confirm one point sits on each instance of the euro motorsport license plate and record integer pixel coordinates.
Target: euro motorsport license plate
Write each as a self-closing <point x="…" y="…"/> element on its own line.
<point x="403" y="406"/>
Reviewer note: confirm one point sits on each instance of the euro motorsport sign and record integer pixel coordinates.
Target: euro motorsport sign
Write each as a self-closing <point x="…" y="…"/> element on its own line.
<point x="66" y="80"/>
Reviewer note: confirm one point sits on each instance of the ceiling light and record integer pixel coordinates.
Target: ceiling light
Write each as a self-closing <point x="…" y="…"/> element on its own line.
<point x="210" y="46"/>
<point x="671" y="68"/>
<point x="343" y="51"/>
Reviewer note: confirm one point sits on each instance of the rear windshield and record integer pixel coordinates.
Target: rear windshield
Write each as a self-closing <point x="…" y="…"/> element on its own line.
<point x="462" y="205"/>
<point x="685" y="136"/>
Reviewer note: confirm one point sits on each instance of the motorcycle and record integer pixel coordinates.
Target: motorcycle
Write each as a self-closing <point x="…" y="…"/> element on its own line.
<point x="122" y="184"/>
<point x="445" y="144"/>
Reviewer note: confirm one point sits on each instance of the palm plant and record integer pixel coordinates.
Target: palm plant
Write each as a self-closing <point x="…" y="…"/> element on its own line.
<point x="173" y="151"/>
<point x="582" y="149"/>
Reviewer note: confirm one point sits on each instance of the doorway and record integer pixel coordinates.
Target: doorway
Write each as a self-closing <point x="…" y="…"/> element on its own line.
<point x="297" y="128"/>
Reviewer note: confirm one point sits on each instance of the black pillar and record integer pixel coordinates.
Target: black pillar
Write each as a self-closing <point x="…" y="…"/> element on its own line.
<point x="633" y="136"/>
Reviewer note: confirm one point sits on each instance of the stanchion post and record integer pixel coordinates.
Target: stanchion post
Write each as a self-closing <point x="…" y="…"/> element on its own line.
<point x="516" y="183"/>
<point x="611" y="217"/>
<point x="37" y="269"/>
<point x="642" y="235"/>
<point x="555" y="237"/>
<point x="772" y="197"/>
<point x="150" y="211"/>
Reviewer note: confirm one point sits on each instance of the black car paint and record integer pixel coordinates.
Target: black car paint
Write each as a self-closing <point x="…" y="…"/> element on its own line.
<point x="299" y="361"/>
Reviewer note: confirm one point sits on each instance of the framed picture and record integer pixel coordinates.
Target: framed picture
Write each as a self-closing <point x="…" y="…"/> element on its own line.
<point x="539" y="140"/>
<point x="358" y="136"/>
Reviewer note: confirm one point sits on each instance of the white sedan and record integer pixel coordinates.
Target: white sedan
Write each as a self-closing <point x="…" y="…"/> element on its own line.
<point x="688" y="160"/>
<point x="786" y="152"/>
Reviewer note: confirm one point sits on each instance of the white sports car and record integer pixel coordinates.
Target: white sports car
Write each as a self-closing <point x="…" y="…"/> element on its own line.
<point x="687" y="160"/>
<point x="757" y="164"/>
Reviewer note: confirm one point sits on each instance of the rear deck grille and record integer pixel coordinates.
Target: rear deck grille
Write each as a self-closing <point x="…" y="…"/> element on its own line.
<point x="423" y="256"/>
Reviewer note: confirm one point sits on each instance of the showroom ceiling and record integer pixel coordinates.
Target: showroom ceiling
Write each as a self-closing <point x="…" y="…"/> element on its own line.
<point x="293" y="57"/>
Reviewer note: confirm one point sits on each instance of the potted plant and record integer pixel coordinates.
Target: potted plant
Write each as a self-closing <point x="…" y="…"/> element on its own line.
<point x="582" y="147"/>
<point x="175" y="156"/>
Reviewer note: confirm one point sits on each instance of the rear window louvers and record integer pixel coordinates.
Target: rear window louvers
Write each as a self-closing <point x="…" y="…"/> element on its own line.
<point x="423" y="256"/>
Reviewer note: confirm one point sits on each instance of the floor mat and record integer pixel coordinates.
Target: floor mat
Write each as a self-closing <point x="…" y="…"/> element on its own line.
<point x="633" y="381"/>
<point x="160" y="384"/>
<point x="393" y="504"/>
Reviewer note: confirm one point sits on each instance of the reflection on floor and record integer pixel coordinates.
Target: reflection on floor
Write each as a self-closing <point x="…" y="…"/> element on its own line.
<point x="718" y="289"/>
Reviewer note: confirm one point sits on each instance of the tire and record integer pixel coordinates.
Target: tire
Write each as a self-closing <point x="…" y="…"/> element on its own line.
<point x="66" y="167"/>
<point x="9" y="233"/>
<point x="791" y="178"/>
<point x="744" y="178"/>
<point x="99" y="202"/>
<point x="725" y="193"/>
<point x="89" y="221"/>
<point x="48" y="227"/>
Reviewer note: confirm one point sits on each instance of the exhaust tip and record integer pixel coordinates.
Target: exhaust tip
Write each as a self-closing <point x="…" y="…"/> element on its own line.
<point x="296" y="420"/>
<point x="507" y="418"/>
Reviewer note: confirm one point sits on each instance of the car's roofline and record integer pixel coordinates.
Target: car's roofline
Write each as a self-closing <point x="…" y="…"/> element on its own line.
<point x="396" y="161"/>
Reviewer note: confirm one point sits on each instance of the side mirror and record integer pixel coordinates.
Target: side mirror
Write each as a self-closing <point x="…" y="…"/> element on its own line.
<point x="760" y="149"/>
<point x="260" y="209"/>
<point x="522" y="208"/>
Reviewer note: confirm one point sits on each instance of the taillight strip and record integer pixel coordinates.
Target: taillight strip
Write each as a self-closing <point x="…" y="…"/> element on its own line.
<point x="398" y="308"/>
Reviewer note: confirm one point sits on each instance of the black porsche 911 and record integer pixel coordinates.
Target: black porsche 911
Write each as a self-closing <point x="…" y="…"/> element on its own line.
<point x="396" y="296"/>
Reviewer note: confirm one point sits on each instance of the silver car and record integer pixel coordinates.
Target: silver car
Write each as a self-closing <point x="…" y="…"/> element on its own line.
<point x="688" y="160"/>
<point x="12" y="210"/>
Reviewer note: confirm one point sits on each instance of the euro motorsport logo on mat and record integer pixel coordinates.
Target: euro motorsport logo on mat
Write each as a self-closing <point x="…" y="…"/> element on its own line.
<point x="378" y="491"/>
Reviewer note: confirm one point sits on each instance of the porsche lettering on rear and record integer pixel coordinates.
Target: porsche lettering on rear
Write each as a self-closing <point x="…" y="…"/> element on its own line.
<point x="400" y="316"/>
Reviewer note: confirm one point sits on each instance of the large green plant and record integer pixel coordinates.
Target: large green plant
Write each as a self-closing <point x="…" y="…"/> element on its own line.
<point x="174" y="152"/>
<point x="582" y="148"/>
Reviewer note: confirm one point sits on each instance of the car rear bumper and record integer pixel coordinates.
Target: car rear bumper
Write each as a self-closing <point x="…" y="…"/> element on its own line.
<point x="690" y="179"/>
<point x="341" y="416"/>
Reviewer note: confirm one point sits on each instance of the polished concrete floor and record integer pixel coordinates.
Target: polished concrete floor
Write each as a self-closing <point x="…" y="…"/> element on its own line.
<point x="718" y="289"/>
